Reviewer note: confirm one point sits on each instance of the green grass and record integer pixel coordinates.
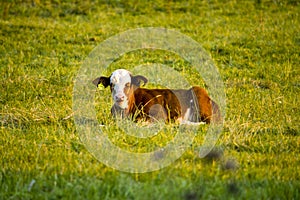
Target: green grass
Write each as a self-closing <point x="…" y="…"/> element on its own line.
<point x="255" y="46"/>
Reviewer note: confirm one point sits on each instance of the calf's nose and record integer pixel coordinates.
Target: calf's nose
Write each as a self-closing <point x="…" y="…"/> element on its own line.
<point x="119" y="98"/>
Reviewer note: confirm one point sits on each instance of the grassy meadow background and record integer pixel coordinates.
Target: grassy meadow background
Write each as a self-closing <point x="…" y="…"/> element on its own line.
<point x="255" y="46"/>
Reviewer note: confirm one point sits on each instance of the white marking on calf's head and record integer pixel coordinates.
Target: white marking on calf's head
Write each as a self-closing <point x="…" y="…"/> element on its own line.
<point x="122" y="85"/>
<point x="120" y="81"/>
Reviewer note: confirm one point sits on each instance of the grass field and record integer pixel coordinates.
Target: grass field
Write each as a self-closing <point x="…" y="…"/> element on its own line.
<point x="255" y="46"/>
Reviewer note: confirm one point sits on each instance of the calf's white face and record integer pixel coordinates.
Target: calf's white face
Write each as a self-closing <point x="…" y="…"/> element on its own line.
<point x="122" y="85"/>
<point x="120" y="81"/>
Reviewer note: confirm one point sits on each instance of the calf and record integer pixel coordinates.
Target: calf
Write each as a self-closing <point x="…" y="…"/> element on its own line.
<point x="191" y="105"/>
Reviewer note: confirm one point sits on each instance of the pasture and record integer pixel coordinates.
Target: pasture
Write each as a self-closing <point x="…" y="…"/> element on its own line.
<point x="254" y="44"/>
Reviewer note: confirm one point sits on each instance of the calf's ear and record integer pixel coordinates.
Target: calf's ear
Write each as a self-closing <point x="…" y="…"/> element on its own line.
<point x="105" y="81"/>
<point x="138" y="80"/>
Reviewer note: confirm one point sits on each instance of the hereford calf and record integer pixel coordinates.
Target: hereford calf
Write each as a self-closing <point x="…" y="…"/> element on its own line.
<point x="192" y="105"/>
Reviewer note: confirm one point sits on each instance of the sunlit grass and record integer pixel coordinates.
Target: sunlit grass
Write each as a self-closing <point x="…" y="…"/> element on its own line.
<point x="255" y="46"/>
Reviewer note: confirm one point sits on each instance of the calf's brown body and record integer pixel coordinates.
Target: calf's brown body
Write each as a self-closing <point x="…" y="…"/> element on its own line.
<point x="173" y="104"/>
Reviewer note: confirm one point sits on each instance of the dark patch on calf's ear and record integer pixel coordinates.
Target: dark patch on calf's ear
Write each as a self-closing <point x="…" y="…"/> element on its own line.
<point x="96" y="81"/>
<point x="105" y="81"/>
<point x="138" y="79"/>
